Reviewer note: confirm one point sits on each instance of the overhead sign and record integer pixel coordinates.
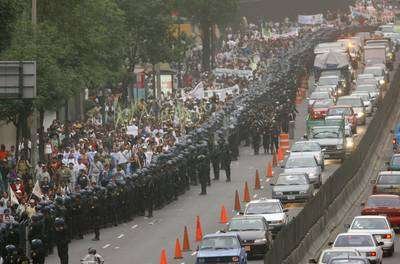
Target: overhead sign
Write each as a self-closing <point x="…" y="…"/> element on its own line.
<point x="17" y="79"/>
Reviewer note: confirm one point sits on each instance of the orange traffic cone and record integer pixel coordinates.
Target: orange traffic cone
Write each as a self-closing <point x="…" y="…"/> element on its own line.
<point x="178" y="252"/>
<point x="237" y="202"/>
<point x="269" y="170"/>
<point x="199" y="232"/>
<point x="280" y="154"/>
<point x="246" y="193"/>
<point x="224" y="218"/>
<point x="186" y="245"/>
<point x="257" y="184"/>
<point x="163" y="259"/>
<point x="274" y="160"/>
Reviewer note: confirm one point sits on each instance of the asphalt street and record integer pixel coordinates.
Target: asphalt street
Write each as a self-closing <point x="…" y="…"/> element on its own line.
<point x="142" y="240"/>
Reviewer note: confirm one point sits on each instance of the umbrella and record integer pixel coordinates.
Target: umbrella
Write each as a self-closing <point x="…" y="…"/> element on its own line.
<point x="331" y="60"/>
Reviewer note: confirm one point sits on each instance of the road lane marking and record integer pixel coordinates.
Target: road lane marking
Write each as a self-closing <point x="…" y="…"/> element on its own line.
<point x="133" y="227"/>
<point x="116" y="248"/>
<point x="255" y="196"/>
<point x="194" y="253"/>
<point x="268" y="179"/>
<point x="121" y="236"/>
<point x="106" y="246"/>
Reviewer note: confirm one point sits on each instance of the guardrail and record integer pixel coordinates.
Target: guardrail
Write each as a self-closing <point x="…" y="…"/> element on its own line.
<point x="337" y="189"/>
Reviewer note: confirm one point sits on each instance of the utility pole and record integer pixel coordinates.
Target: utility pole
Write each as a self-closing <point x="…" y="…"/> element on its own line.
<point x="35" y="113"/>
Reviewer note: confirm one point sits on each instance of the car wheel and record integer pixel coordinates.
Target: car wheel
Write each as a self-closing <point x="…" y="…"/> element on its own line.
<point x="391" y="252"/>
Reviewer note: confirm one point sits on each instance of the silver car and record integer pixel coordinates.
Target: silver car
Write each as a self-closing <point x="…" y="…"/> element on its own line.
<point x="299" y="147"/>
<point x="292" y="188"/>
<point x="365" y="243"/>
<point x="318" y="96"/>
<point x="378" y="72"/>
<point x="271" y="209"/>
<point x="367" y="100"/>
<point x="379" y="227"/>
<point x="305" y="163"/>
<point x="358" y="107"/>
<point x="329" y="253"/>
<point x="372" y="89"/>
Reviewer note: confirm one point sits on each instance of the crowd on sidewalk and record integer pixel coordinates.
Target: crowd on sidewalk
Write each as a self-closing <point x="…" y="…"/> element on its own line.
<point x="96" y="173"/>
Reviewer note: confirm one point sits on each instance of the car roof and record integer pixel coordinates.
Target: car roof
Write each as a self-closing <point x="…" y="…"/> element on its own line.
<point x="341" y="106"/>
<point x="222" y="234"/>
<point x="394" y="173"/>
<point x="305" y="142"/>
<point x="370" y="216"/>
<point x="353" y="233"/>
<point x="239" y="217"/>
<point x="292" y="174"/>
<point x="264" y="200"/>
<point x="395" y="155"/>
<point x="340" y="250"/>
<point x="348" y="97"/>
<point x="303" y="154"/>
<point x="393" y="196"/>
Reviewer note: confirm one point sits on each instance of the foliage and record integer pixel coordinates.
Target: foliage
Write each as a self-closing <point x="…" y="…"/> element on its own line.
<point x="9" y="13"/>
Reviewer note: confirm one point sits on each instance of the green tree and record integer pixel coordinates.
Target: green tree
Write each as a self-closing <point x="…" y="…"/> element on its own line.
<point x="208" y="13"/>
<point x="10" y="10"/>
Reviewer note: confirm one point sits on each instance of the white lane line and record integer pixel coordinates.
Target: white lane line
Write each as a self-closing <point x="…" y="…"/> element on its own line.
<point x="106" y="246"/>
<point x="121" y="236"/>
<point x="194" y="253"/>
<point x="268" y="179"/>
<point x="255" y="196"/>
<point x="135" y="226"/>
<point x="116" y="248"/>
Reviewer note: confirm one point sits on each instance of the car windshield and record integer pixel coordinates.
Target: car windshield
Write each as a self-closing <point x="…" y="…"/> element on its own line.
<point x="355" y="102"/>
<point x="325" y="133"/>
<point x="335" y="254"/>
<point x="383" y="202"/>
<point x="389" y="179"/>
<point x="363" y="96"/>
<point x="330" y="73"/>
<point x="301" y="162"/>
<point x="328" y="81"/>
<point x="292" y="180"/>
<point x="216" y="243"/>
<point x="369" y="223"/>
<point x="348" y="261"/>
<point x="323" y="103"/>
<point x="354" y="241"/>
<point x="263" y="208"/>
<point x="340" y="111"/>
<point x="246" y="225"/>
<point x="367" y="88"/>
<point x="366" y="81"/>
<point x="305" y="147"/>
<point x="395" y="161"/>
<point x="375" y="71"/>
<point x="321" y="95"/>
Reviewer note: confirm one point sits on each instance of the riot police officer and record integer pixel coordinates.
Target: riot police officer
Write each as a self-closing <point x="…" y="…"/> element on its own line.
<point x="61" y="238"/>
<point x="37" y="251"/>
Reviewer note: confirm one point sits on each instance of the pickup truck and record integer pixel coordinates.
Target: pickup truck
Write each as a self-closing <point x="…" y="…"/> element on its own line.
<point x="331" y="136"/>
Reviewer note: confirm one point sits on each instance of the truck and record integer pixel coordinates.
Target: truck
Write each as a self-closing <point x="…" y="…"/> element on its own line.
<point x="331" y="136"/>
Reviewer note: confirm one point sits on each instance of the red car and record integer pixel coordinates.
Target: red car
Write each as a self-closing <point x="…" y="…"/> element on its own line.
<point x="320" y="107"/>
<point x="384" y="204"/>
<point x="346" y="111"/>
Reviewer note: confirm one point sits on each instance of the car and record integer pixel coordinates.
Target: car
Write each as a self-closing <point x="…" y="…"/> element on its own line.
<point x="358" y="107"/>
<point x="387" y="182"/>
<point x="367" y="100"/>
<point x="221" y="248"/>
<point x="394" y="163"/>
<point x="384" y="204"/>
<point x="271" y="209"/>
<point x="349" y="260"/>
<point x="347" y="130"/>
<point x="318" y="96"/>
<point x="254" y="234"/>
<point x="365" y="243"/>
<point x="347" y="111"/>
<point x="304" y="163"/>
<point x="320" y="107"/>
<point x="331" y="138"/>
<point x="366" y="79"/>
<point x="295" y="187"/>
<point x="378" y="72"/>
<point x="299" y="147"/>
<point x="326" y="88"/>
<point x="329" y="253"/>
<point x="379" y="227"/>
<point x="332" y="80"/>
<point x="373" y="89"/>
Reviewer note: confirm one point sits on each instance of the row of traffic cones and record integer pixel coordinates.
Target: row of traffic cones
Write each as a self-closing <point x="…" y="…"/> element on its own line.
<point x="224" y="215"/>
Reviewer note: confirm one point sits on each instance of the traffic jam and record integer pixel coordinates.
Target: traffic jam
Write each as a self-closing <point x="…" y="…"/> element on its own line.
<point x="348" y="84"/>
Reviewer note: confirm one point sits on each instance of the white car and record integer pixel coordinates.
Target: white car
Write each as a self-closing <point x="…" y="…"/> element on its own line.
<point x="367" y="100"/>
<point x="365" y="243"/>
<point x="272" y="210"/>
<point x="379" y="227"/>
<point x="329" y="253"/>
<point x="310" y="146"/>
<point x="304" y="163"/>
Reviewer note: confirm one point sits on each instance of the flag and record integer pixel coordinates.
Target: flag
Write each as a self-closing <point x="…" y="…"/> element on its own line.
<point x="13" y="197"/>
<point x="37" y="191"/>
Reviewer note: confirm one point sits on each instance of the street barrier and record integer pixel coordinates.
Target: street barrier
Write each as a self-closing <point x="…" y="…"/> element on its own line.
<point x="334" y="193"/>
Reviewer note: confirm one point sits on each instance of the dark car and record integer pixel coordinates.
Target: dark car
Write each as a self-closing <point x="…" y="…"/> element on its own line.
<point x="221" y="248"/>
<point x="388" y="182"/>
<point x="254" y="234"/>
<point x="394" y="163"/>
<point x="384" y="204"/>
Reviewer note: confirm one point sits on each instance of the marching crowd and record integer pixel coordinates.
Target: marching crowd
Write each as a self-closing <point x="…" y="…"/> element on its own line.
<point x="97" y="174"/>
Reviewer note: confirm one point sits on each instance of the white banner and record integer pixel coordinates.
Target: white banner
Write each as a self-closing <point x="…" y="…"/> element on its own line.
<point x="311" y="20"/>
<point x="239" y="73"/>
<point x="132" y="130"/>
<point x="222" y="92"/>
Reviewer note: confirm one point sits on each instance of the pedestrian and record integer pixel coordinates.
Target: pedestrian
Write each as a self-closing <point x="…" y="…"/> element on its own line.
<point x="202" y="173"/>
